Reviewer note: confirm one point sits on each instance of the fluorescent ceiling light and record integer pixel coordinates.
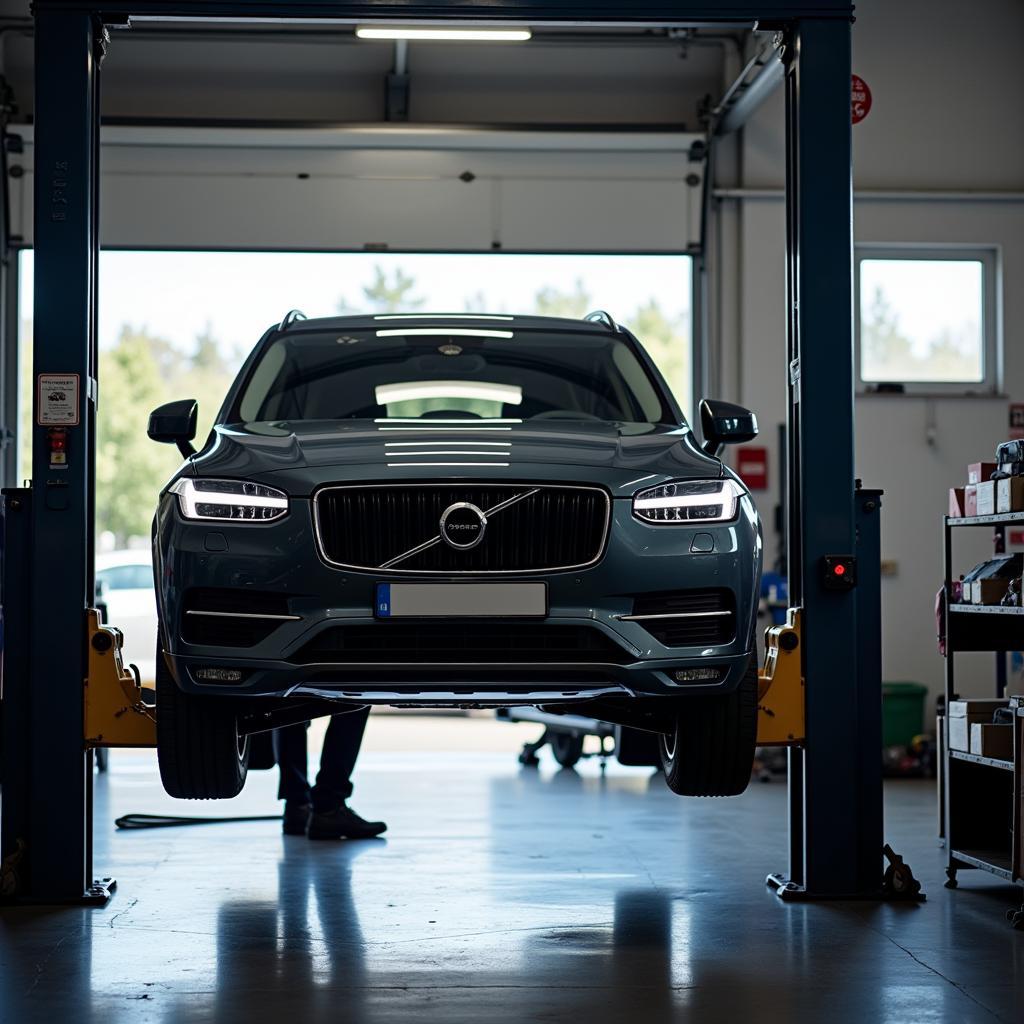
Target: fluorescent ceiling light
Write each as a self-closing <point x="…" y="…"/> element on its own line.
<point x="414" y="391"/>
<point x="443" y="332"/>
<point x="444" y="35"/>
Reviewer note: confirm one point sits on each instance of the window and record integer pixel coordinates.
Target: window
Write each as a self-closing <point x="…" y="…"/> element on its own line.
<point x="927" y="319"/>
<point x="522" y="373"/>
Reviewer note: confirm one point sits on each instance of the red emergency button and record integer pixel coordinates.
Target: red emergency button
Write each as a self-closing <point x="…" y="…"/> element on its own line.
<point x="839" y="572"/>
<point x="57" y="442"/>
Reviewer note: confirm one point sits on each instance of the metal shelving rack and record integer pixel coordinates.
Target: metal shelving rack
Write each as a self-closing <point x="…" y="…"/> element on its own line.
<point x="982" y="795"/>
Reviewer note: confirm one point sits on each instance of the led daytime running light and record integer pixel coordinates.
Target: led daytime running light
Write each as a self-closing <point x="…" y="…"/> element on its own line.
<point x="230" y="500"/>
<point x="689" y="502"/>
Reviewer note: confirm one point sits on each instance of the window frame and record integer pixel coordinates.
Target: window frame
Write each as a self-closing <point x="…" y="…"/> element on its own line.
<point x="991" y="321"/>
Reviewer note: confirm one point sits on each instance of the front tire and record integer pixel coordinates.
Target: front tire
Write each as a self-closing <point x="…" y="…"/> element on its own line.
<point x="710" y="752"/>
<point x="199" y="750"/>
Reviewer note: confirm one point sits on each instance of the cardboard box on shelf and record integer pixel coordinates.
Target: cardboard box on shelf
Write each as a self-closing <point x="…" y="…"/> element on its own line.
<point x="956" y="502"/>
<point x="988" y="582"/>
<point x="963" y="714"/>
<point x="990" y="740"/>
<point x="1010" y="494"/>
<point x="987" y="498"/>
<point x="971" y="500"/>
<point x="978" y="471"/>
<point x="990" y="591"/>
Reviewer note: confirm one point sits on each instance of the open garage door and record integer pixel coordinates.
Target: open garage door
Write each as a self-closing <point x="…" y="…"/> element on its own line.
<point x="465" y="190"/>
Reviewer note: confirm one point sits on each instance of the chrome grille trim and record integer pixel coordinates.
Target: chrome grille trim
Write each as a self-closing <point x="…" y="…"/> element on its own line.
<point x="530" y="486"/>
<point x="245" y="615"/>
<point x="412" y="552"/>
<point x="673" y="615"/>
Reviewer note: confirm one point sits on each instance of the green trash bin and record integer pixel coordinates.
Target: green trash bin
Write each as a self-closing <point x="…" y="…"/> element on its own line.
<point x="902" y="713"/>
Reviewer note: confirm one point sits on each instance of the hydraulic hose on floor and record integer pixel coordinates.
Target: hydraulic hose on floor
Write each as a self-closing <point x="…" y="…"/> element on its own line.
<point x="130" y="821"/>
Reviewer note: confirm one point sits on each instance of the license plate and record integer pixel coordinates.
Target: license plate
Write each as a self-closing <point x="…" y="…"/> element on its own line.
<point x="461" y="600"/>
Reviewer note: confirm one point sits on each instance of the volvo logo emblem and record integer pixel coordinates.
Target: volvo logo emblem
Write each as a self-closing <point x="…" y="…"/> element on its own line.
<point x="462" y="526"/>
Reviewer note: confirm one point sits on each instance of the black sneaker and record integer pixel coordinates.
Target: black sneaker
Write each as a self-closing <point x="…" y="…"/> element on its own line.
<point x="296" y="819"/>
<point x="342" y="823"/>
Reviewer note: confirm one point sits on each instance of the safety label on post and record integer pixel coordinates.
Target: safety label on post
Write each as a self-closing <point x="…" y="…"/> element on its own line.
<point x="860" y="100"/>
<point x="57" y="400"/>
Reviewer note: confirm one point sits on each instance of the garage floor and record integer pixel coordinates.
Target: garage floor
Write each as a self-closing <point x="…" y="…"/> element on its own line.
<point x="500" y="894"/>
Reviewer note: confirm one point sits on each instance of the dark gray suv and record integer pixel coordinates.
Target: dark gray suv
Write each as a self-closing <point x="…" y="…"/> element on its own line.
<point x="455" y="510"/>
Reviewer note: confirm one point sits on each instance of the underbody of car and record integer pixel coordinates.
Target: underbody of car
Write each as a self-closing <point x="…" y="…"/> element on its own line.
<point x="481" y="532"/>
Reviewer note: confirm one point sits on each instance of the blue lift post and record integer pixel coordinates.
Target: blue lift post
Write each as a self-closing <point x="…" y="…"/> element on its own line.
<point x="836" y="796"/>
<point x="835" y="779"/>
<point x="60" y="563"/>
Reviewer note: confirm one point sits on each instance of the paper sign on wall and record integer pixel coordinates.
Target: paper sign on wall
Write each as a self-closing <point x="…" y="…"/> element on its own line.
<point x="57" y="404"/>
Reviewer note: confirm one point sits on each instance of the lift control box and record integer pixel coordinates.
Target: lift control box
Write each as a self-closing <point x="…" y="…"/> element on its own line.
<point x="839" y="572"/>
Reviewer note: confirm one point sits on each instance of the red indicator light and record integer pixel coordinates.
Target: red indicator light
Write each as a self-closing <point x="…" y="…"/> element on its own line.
<point x="839" y="570"/>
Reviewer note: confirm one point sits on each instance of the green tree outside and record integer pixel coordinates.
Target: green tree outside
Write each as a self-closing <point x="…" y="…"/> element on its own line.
<point x="887" y="353"/>
<point x="386" y="295"/>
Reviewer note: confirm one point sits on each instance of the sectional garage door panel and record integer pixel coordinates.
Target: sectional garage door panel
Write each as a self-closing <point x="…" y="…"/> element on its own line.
<point x="439" y="190"/>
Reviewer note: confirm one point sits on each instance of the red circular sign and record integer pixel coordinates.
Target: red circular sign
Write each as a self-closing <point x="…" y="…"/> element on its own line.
<point x="860" y="99"/>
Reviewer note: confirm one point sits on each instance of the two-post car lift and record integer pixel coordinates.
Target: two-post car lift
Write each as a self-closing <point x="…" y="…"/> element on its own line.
<point x="835" y="776"/>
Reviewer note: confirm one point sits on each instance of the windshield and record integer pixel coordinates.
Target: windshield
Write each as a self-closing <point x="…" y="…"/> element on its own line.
<point x="459" y="373"/>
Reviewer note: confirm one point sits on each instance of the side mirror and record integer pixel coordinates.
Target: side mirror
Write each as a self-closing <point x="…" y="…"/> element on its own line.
<point x="175" y="423"/>
<point x="723" y="423"/>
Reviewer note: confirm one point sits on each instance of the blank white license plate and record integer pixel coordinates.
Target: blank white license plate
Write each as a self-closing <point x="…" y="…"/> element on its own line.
<point x="461" y="600"/>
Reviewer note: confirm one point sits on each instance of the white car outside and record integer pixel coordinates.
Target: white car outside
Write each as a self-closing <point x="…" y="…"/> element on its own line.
<point x="124" y="584"/>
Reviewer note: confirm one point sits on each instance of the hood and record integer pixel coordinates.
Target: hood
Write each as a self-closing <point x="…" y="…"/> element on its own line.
<point x="300" y="456"/>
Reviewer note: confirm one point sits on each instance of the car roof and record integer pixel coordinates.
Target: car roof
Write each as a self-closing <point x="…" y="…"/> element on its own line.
<point x="493" y="321"/>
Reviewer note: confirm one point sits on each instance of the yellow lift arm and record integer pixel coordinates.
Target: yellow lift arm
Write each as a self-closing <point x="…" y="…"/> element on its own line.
<point x="780" y="692"/>
<point x="115" y="714"/>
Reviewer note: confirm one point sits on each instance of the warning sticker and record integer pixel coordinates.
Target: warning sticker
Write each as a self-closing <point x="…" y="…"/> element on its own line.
<point x="58" y="400"/>
<point x="860" y="99"/>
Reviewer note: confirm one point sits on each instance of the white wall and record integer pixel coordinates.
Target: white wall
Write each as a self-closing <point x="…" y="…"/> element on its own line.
<point x="947" y="85"/>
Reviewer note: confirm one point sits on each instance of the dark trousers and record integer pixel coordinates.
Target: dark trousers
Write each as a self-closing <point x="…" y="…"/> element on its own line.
<point x="338" y="759"/>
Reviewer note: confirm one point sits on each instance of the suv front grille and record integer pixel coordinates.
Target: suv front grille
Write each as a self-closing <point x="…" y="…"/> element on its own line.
<point x="478" y="643"/>
<point x="397" y="528"/>
<point x="694" y="617"/>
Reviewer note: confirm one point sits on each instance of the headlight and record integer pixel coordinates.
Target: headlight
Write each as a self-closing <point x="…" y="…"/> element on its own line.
<point x="229" y="499"/>
<point x="689" y="501"/>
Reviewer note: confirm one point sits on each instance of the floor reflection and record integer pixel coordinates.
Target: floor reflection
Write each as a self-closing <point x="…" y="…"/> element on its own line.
<point x="304" y="952"/>
<point x="306" y="956"/>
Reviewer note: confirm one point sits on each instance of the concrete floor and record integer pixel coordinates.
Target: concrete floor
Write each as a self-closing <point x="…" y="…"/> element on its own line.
<point x="499" y="895"/>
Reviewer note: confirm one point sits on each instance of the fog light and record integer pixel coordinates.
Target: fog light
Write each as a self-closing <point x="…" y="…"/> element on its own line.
<point x="219" y="675"/>
<point x="697" y="675"/>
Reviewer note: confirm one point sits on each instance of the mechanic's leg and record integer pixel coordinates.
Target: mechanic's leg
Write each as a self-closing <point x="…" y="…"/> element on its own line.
<point x="338" y="759"/>
<point x="290" y="753"/>
<point x="332" y="819"/>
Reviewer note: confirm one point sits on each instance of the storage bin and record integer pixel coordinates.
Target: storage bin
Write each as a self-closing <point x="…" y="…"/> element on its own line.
<point x="902" y="713"/>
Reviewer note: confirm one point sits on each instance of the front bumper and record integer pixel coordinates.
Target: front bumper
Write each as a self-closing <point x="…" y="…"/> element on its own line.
<point x="281" y="557"/>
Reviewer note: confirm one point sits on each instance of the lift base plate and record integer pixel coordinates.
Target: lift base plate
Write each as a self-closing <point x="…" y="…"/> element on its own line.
<point x="792" y="892"/>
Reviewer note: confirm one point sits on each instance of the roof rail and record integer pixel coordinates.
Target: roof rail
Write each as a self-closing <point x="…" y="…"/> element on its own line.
<point x="599" y="316"/>
<point x="291" y="317"/>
